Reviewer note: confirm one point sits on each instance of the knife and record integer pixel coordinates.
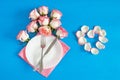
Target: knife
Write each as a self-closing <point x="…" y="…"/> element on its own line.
<point x="50" y="46"/>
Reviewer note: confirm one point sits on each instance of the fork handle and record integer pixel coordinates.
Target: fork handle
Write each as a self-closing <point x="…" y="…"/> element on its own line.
<point x="41" y="61"/>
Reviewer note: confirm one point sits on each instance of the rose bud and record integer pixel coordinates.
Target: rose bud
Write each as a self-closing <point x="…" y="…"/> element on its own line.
<point x="34" y="14"/>
<point x="43" y="20"/>
<point x="43" y="10"/>
<point x="45" y="30"/>
<point x="56" y="14"/>
<point x="32" y="26"/>
<point x="61" y="32"/>
<point x="23" y="36"/>
<point x="55" y="23"/>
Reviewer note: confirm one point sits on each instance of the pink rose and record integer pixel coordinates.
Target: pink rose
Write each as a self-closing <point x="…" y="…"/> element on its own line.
<point x="61" y="32"/>
<point x="43" y="10"/>
<point x="43" y="20"/>
<point x="22" y="36"/>
<point x="56" y="14"/>
<point x="34" y="14"/>
<point x="55" y="23"/>
<point x="32" y="27"/>
<point x="45" y="30"/>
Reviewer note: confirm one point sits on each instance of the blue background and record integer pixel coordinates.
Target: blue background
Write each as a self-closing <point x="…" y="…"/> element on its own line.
<point x="77" y="64"/>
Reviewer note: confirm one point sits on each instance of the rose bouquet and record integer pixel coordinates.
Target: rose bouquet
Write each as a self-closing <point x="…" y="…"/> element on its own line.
<point x="44" y="24"/>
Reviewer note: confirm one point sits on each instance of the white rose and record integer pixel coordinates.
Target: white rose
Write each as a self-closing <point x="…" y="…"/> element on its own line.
<point x="43" y="20"/>
<point x="22" y="36"/>
<point x="56" y="14"/>
<point x="43" y="10"/>
<point x="34" y="14"/>
<point x="55" y="23"/>
<point x="32" y="27"/>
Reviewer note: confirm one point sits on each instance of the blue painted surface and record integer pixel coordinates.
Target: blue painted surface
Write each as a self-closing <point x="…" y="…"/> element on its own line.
<point x="77" y="64"/>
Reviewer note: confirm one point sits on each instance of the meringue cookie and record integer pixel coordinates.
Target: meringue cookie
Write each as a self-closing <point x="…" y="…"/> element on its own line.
<point x="82" y="40"/>
<point x="84" y="28"/>
<point x="99" y="45"/>
<point x="94" y="51"/>
<point x="97" y="29"/>
<point x="103" y="39"/>
<point x="90" y="34"/>
<point x="87" y="46"/>
<point x="79" y="34"/>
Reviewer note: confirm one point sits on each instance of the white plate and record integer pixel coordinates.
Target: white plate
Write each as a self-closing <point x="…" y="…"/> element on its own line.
<point x="33" y="52"/>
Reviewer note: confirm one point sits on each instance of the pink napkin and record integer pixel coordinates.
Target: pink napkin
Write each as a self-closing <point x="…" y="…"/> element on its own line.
<point x="45" y="72"/>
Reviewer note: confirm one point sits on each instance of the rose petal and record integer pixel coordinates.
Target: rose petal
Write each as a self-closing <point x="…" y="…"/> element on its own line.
<point x="90" y="34"/>
<point x="103" y="39"/>
<point x="102" y="33"/>
<point x="84" y="28"/>
<point x="87" y="46"/>
<point x="97" y="29"/>
<point x="82" y="40"/>
<point x="99" y="45"/>
<point x="80" y="34"/>
<point x="94" y="51"/>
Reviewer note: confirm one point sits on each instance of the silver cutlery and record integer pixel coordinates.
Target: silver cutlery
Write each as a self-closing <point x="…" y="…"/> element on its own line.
<point x="43" y="44"/>
<point x="50" y="46"/>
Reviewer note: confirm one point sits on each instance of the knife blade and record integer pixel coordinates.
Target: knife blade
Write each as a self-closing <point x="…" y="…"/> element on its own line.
<point x="50" y="46"/>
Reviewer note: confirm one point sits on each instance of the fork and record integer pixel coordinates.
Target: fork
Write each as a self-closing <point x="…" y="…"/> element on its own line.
<point x="43" y="44"/>
<point x="40" y="62"/>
